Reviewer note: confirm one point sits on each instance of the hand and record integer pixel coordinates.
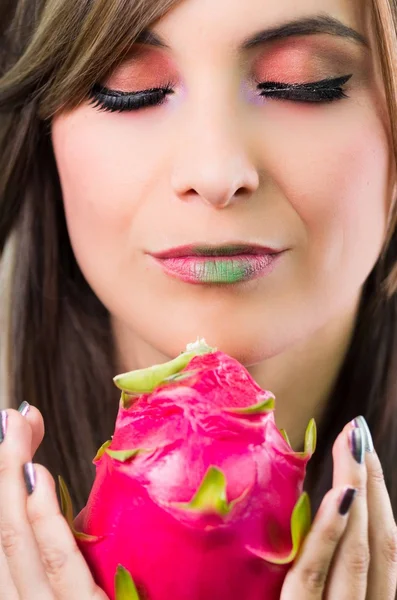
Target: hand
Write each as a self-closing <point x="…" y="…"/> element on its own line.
<point x="350" y="557"/>
<point x="39" y="558"/>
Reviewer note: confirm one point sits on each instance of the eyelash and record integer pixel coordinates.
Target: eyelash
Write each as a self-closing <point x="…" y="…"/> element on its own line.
<point x="113" y="100"/>
<point x="324" y="91"/>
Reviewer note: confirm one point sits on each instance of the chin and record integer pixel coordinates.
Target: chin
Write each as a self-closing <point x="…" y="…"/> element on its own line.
<point x="248" y="347"/>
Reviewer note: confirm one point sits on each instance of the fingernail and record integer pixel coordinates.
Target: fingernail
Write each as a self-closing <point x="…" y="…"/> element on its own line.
<point x="357" y="445"/>
<point x="363" y="425"/>
<point x="347" y="501"/>
<point x="3" y="425"/>
<point x="24" y="408"/>
<point x="29" y="476"/>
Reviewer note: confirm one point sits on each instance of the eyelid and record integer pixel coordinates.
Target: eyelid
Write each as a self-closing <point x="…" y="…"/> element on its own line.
<point x="167" y="85"/>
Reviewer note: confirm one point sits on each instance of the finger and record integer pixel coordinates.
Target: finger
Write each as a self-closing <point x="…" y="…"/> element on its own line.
<point x="349" y="570"/>
<point x="17" y="539"/>
<point x="7" y="587"/>
<point x="382" y="577"/>
<point x="67" y="571"/>
<point x="307" y="578"/>
<point x="35" y="420"/>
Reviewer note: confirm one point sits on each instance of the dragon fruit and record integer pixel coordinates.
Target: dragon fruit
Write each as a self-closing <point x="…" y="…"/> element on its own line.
<point x="198" y="495"/>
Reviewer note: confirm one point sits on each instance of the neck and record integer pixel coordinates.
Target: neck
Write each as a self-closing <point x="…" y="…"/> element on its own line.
<point x="303" y="377"/>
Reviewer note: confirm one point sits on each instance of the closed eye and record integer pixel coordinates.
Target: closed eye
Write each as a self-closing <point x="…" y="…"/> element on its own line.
<point x="116" y="101"/>
<point x="324" y="91"/>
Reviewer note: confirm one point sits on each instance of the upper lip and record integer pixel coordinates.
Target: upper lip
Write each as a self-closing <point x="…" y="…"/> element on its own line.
<point x="225" y="249"/>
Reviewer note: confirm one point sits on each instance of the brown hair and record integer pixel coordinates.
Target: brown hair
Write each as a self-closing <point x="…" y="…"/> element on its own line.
<point x="57" y="344"/>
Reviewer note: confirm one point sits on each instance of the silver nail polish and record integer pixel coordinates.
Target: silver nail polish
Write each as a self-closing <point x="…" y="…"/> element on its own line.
<point x="24" y="408"/>
<point x="363" y="425"/>
<point x="357" y="444"/>
<point x="3" y="425"/>
<point x="29" y="476"/>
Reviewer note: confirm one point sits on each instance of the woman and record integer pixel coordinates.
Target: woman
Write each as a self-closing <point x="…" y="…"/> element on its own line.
<point x="132" y="127"/>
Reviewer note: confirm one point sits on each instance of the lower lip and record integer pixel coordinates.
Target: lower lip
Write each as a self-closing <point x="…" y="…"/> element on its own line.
<point x="225" y="269"/>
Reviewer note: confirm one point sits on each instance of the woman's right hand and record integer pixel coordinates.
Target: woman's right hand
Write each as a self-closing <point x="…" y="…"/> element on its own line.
<point x="350" y="557"/>
<point x="39" y="557"/>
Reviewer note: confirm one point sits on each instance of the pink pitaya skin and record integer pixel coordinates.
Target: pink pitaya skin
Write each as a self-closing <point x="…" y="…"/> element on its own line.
<point x="177" y="554"/>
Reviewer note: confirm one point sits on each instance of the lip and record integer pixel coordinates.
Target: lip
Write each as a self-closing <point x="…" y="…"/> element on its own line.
<point x="216" y="250"/>
<point x="210" y="269"/>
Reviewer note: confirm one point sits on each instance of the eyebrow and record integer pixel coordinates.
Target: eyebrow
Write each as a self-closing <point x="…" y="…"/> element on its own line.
<point x="298" y="27"/>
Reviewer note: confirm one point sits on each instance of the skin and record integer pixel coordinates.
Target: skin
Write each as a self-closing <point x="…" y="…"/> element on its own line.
<point x="216" y="164"/>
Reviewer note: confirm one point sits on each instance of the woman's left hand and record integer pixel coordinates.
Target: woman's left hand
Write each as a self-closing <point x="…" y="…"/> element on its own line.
<point x="355" y="559"/>
<point x="39" y="557"/>
<point x="382" y="529"/>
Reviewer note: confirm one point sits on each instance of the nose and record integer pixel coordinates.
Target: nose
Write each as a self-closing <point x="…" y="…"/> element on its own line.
<point x="213" y="164"/>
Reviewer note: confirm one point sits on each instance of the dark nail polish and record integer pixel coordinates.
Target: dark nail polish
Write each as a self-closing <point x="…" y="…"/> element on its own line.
<point x="29" y="476"/>
<point x="357" y="445"/>
<point x="3" y="425"/>
<point x="347" y="501"/>
<point x="368" y="442"/>
<point x="24" y="408"/>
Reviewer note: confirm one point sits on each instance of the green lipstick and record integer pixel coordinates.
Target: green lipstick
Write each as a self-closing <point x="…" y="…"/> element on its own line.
<point x="219" y="269"/>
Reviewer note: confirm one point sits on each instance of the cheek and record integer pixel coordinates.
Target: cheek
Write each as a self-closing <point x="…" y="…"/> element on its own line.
<point x="336" y="177"/>
<point x="102" y="184"/>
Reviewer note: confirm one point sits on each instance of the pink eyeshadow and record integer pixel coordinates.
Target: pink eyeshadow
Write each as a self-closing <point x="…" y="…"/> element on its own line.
<point x="295" y="61"/>
<point x="149" y="68"/>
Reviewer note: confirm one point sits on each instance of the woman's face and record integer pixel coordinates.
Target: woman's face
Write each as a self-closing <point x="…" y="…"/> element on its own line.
<point x="217" y="162"/>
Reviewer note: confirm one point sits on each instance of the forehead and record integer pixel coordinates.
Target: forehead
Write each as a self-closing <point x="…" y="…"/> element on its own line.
<point x="229" y="22"/>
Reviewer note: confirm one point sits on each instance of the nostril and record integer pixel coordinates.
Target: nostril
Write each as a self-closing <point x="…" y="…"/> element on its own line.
<point x="242" y="191"/>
